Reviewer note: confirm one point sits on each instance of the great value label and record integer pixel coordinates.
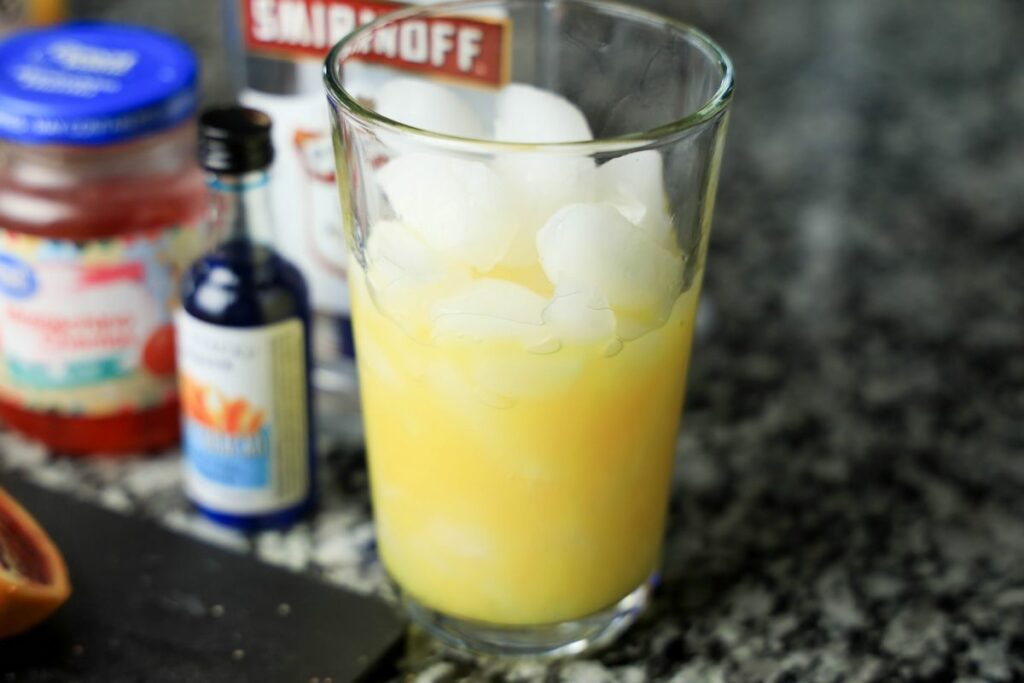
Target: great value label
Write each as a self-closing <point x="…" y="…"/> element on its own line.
<point x="468" y="49"/>
<point x="85" y="327"/>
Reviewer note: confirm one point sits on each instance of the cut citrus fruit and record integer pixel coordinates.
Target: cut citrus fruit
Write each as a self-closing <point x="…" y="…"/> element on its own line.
<point x="33" y="576"/>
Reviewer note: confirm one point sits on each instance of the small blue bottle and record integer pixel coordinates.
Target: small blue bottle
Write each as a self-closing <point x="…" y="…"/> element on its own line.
<point x="243" y="338"/>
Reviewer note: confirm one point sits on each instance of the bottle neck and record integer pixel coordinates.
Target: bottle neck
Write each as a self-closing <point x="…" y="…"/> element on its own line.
<point x="241" y="207"/>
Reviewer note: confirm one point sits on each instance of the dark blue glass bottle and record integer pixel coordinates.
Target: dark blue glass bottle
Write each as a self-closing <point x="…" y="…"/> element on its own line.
<point x="232" y="297"/>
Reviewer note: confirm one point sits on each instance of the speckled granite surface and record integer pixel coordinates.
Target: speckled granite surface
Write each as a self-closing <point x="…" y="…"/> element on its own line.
<point x="850" y="483"/>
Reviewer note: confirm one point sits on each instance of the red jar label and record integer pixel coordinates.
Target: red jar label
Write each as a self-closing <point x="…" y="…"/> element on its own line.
<point x="457" y="48"/>
<point x="86" y="327"/>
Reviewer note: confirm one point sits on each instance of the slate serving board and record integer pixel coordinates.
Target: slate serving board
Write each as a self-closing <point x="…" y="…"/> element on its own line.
<point x="151" y="605"/>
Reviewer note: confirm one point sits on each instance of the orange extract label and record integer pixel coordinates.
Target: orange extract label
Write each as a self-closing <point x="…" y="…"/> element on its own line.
<point x="245" y="426"/>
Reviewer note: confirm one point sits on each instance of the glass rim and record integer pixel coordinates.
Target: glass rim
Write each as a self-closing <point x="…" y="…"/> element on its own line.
<point x="711" y="109"/>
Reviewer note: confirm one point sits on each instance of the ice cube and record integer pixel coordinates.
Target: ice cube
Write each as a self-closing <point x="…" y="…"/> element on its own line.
<point x="594" y="246"/>
<point x="492" y="309"/>
<point x="515" y="377"/>
<point x="405" y="275"/>
<point x="579" y="315"/>
<point x="458" y="207"/>
<point x="396" y="255"/>
<point x="531" y="115"/>
<point x="541" y="185"/>
<point x="634" y="185"/>
<point x="461" y="538"/>
<point x="421" y="104"/>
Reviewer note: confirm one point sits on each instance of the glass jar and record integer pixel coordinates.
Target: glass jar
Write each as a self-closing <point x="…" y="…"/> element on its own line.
<point x="101" y="200"/>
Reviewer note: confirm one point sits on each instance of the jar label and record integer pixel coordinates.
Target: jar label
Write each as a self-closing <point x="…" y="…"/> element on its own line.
<point x="468" y="49"/>
<point x="245" y="415"/>
<point x="86" y="327"/>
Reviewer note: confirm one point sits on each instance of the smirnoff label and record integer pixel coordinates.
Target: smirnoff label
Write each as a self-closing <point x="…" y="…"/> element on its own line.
<point x="469" y="49"/>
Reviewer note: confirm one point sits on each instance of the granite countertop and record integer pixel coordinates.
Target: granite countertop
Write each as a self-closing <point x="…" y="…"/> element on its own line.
<point x="849" y="489"/>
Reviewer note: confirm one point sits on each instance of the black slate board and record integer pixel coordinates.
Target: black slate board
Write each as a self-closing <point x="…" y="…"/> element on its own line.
<point x="151" y="605"/>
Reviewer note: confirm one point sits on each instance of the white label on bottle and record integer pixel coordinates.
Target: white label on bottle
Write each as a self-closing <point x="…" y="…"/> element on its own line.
<point x="306" y="208"/>
<point x="245" y="415"/>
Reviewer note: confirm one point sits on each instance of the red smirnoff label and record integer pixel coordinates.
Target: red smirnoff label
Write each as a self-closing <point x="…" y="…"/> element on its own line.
<point x="462" y="48"/>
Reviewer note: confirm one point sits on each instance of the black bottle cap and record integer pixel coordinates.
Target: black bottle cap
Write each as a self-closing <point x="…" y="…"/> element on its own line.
<point x="234" y="140"/>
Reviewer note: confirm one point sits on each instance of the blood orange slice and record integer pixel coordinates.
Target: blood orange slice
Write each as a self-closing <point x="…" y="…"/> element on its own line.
<point x="33" y="576"/>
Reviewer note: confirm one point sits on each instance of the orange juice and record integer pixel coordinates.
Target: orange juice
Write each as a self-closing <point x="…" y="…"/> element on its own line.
<point x="517" y="485"/>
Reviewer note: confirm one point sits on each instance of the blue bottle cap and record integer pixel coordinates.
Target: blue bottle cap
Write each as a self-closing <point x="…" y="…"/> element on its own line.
<point x="93" y="84"/>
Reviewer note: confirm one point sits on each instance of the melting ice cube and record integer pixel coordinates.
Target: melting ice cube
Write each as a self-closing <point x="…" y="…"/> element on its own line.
<point x="458" y="207"/>
<point x="405" y="275"/>
<point x="542" y="184"/>
<point x="528" y="114"/>
<point x="634" y="184"/>
<point x="579" y="315"/>
<point x="526" y="375"/>
<point x="594" y="246"/>
<point x="429" y="106"/>
<point x="396" y="254"/>
<point x="491" y="309"/>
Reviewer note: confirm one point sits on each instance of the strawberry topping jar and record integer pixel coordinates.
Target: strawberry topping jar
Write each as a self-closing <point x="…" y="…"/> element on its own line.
<point x="101" y="203"/>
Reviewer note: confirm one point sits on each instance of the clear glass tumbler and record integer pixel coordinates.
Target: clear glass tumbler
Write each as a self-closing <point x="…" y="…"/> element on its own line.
<point x="526" y="263"/>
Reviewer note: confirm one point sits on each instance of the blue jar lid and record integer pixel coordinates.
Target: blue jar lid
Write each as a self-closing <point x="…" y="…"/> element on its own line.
<point x="93" y="83"/>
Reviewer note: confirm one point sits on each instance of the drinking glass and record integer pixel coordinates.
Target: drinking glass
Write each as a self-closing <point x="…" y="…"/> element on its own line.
<point x="524" y="287"/>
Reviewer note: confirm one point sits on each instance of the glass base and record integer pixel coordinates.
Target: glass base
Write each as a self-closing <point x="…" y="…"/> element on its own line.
<point x="562" y="639"/>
